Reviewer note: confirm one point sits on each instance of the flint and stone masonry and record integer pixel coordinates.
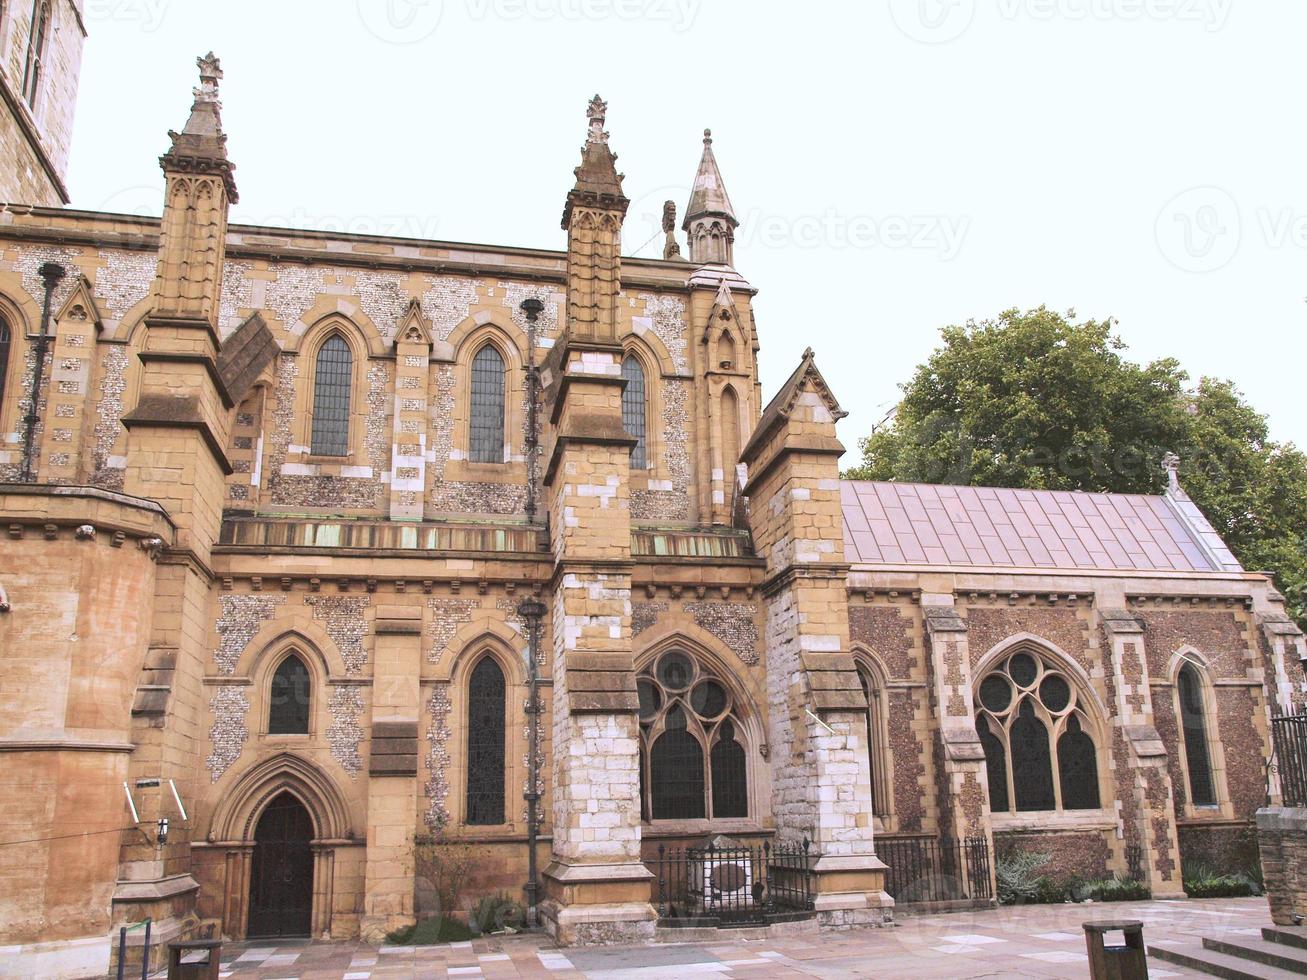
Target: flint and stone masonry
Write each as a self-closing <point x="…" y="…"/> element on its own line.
<point x="187" y="537"/>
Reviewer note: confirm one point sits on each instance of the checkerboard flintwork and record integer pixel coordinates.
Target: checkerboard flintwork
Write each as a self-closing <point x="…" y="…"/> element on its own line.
<point x="269" y="533"/>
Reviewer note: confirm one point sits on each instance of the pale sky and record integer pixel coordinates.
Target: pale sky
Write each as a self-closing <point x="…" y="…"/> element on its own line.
<point x="897" y="165"/>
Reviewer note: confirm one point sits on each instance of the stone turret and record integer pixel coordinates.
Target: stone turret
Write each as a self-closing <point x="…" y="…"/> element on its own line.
<point x="710" y="220"/>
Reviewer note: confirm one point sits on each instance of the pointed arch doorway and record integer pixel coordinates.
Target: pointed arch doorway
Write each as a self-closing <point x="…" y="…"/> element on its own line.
<point x="281" y="874"/>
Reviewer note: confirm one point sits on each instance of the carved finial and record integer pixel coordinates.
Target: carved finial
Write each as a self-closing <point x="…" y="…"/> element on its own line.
<point x="808" y="354"/>
<point x="1171" y="463"/>
<point x="210" y="74"/>
<point x="707" y="137"/>
<point x="597" y="112"/>
<point x="671" y="250"/>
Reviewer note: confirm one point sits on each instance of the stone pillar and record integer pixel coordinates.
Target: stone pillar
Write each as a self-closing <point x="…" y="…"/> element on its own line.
<point x="963" y="785"/>
<point x="1148" y="816"/>
<point x="821" y="780"/>
<point x="408" y="450"/>
<point x="388" y="892"/>
<point x="1285" y="656"/>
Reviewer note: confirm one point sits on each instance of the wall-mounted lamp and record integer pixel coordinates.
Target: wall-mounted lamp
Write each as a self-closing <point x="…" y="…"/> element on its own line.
<point x="161" y="835"/>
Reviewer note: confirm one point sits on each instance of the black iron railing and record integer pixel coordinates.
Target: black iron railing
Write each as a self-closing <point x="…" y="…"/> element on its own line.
<point x="1289" y="734"/>
<point x="923" y="869"/>
<point x="733" y="884"/>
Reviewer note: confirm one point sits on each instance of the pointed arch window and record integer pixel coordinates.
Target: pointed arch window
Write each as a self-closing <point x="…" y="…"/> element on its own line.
<point x="288" y="698"/>
<point x="634" y="410"/>
<point x="6" y="343"/>
<point x="485" y="744"/>
<point x="332" y="379"/>
<point x="877" y="751"/>
<point x="486" y="426"/>
<point x="1193" y="719"/>
<point x="694" y="763"/>
<point x="36" y="45"/>
<point x="1035" y="732"/>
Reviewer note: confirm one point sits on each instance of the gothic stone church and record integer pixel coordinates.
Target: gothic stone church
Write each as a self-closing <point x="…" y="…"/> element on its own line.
<point x="272" y="505"/>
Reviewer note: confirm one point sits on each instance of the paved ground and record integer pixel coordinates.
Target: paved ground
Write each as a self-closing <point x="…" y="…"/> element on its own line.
<point x="1034" y="941"/>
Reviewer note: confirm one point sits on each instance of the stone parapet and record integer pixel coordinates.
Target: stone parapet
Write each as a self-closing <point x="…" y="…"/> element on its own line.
<point x="1282" y="840"/>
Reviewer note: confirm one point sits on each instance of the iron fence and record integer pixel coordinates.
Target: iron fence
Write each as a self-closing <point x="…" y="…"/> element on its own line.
<point x="1289" y="735"/>
<point x="732" y="884"/>
<point x="923" y="869"/>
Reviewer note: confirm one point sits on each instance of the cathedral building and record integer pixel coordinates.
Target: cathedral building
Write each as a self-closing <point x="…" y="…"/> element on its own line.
<point x="295" y="522"/>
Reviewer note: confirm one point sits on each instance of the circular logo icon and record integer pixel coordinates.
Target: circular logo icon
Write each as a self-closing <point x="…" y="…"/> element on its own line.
<point x="932" y="21"/>
<point x="1199" y="230"/>
<point x="401" y="21"/>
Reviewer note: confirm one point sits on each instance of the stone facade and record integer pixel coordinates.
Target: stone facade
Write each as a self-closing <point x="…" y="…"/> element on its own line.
<point x="182" y="541"/>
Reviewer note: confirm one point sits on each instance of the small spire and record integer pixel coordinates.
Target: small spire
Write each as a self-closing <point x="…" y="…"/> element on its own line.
<point x="597" y="179"/>
<point x="709" y="197"/>
<point x="202" y="145"/>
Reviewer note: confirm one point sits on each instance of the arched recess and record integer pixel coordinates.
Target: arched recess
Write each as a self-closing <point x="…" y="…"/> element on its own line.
<point x="651" y="349"/>
<point x="17" y="314"/>
<point x="294" y="631"/>
<point x="245" y="445"/>
<point x="875" y="684"/>
<point x="240" y="805"/>
<point x="730" y="434"/>
<point x="1044" y="731"/>
<point x="1198" y="752"/>
<point x="509" y="659"/>
<point x="451" y="659"/>
<point x="326" y="309"/>
<point x="334" y="329"/>
<point x="747" y="730"/>
<point x="509" y="345"/>
<point x="261" y="664"/>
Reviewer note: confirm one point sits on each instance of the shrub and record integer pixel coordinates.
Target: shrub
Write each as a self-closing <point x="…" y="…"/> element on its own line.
<point x="1114" y="890"/>
<point x="496" y="913"/>
<point x="1019" y="880"/>
<point x="1203" y="881"/>
<point x="427" y="932"/>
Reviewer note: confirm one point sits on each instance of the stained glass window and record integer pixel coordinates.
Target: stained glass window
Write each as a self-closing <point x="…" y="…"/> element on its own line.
<point x="1194" y="722"/>
<point x="487" y="420"/>
<point x="1032" y="727"/>
<point x="634" y="414"/>
<point x="288" y="699"/>
<point x="693" y="763"/>
<point x="36" y="52"/>
<point x="331" y="391"/>
<point x="485" y="744"/>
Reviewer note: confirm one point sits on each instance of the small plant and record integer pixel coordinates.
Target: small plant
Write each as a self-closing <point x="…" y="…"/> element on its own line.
<point x="496" y="913"/>
<point x="1203" y="881"/>
<point x="1111" y="890"/>
<point x="428" y="932"/>
<point x="1019" y="879"/>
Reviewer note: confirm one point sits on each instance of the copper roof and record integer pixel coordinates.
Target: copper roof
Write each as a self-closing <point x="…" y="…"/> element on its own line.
<point x="918" y="524"/>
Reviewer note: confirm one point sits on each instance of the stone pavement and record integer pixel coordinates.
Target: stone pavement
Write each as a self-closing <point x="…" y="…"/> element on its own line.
<point x="1030" y="941"/>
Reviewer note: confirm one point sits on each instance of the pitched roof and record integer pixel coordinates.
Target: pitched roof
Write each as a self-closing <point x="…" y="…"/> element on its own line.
<point x="782" y="403"/>
<point x="919" y="524"/>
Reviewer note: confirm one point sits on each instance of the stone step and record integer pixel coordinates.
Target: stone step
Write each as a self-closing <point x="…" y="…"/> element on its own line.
<point x="1195" y="956"/>
<point x="1284" y="957"/>
<point x="1285" y="936"/>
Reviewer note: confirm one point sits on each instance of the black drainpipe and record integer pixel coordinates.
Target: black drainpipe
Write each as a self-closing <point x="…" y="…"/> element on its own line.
<point x="51" y="274"/>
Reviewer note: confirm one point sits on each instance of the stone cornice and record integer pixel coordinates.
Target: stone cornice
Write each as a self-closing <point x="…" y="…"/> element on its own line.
<point x="792" y="573"/>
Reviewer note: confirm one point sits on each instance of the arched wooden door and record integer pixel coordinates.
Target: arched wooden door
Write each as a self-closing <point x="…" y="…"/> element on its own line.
<point x="281" y="876"/>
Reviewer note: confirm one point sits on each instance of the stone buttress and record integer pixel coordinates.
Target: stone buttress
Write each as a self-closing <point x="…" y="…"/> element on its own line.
<point x="821" y="780"/>
<point x="596" y="888"/>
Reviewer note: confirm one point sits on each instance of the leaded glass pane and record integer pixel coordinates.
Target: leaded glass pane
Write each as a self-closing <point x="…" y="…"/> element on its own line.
<point x="331" y="391"/>
<point x="677" y="763"/>
<point x="633" y="411"/>
<point x="1077" y="766"/>
<point x="288" y="699"/>
<point x="487" y="422"/>
<point x="5" y="341"/>
<point x="1195" y="738"/>
<point x="1032" y="764"/>
<point x="730" y="793"/>
<point x="995" y="767"/>
<point x="485" y="744"/>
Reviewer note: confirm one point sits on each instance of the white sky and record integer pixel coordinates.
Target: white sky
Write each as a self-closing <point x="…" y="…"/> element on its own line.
<point x="898" y="165"/>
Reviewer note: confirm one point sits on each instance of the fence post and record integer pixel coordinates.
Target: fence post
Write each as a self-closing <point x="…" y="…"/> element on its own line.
<point x="122" y="952"/>
<point x="145" y="953"/>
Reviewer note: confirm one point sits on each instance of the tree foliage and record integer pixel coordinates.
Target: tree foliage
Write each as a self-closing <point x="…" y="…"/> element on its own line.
<point x="1037" y="400"/>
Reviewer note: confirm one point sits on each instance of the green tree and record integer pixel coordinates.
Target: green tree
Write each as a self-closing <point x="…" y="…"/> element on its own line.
<point x="1038" y="400"/>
